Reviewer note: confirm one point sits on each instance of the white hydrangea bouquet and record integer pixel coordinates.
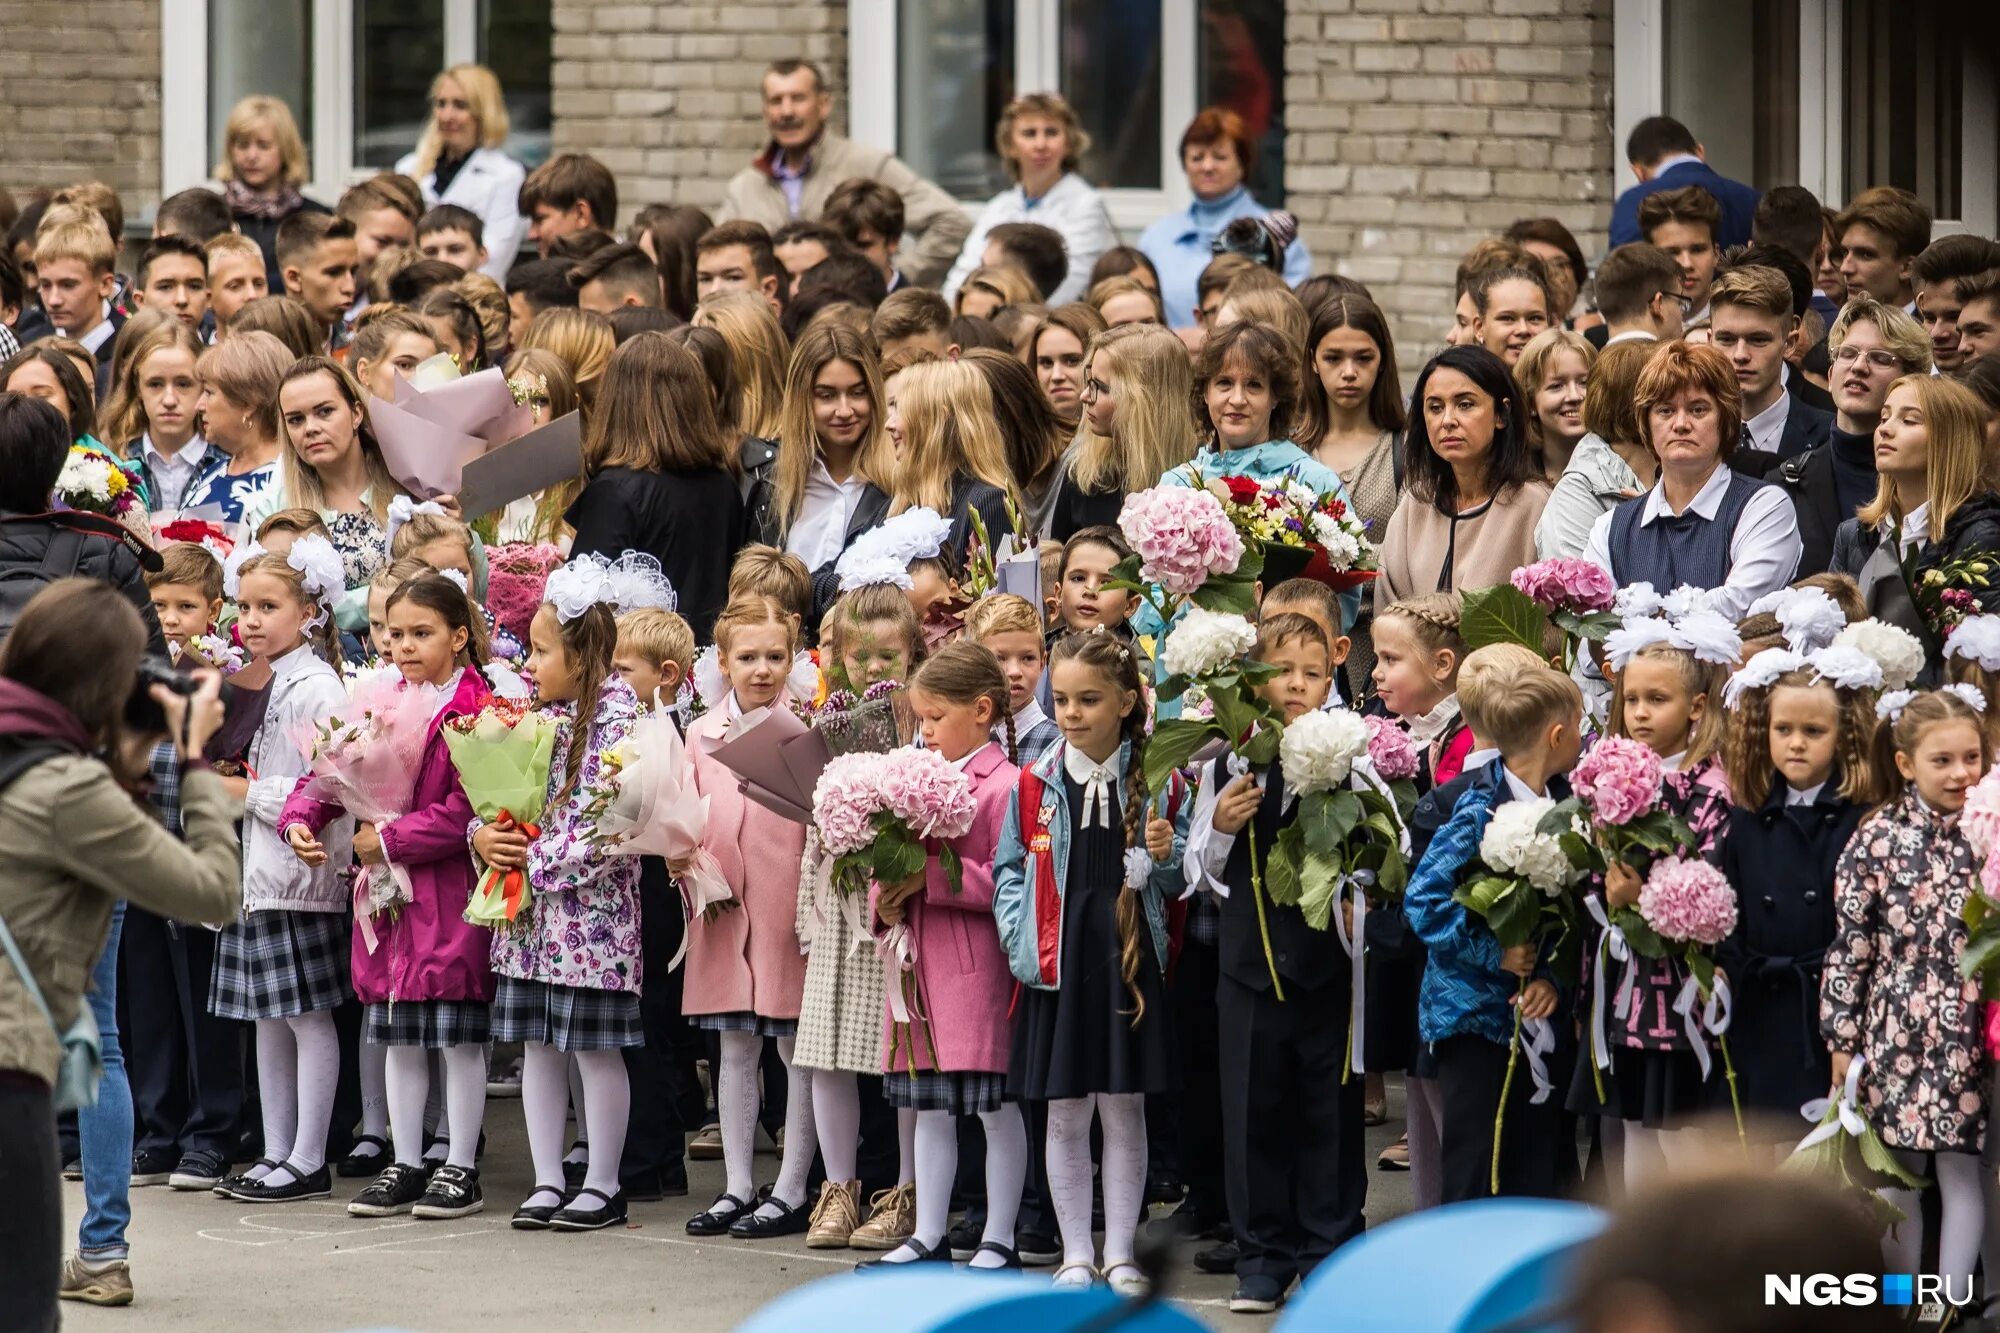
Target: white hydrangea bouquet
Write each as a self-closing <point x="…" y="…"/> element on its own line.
<point x="1207" y="653"/>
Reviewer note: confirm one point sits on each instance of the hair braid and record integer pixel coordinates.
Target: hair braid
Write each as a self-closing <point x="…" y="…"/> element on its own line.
<point x="1013" y="740"/>
<point x="1127" y="911"/>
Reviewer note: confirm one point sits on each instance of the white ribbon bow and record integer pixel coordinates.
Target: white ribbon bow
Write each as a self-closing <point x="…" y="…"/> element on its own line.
<point x="1848" y="1121"/>
<point x="1614" y="945"/>
<point x="1355" y="885"/>
<point x="1714" y="1014"/>
<point x="899" y="958"/>
<point x="1538" y="1040"/>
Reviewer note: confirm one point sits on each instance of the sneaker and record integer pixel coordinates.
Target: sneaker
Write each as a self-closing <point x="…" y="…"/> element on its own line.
<point x="453" y="1191"/>
<point x="965" y="1237"/>
<point x="1395" y="1157"/>
<point x="153" y="1166"/>
<point x="198" y="1171"/>
<point x="108" y="1285"/>
<point x="1256" y="1295"/>
<point x="73" y="1169"/>
<point x="1216" y="1258"/>
<point x="1038" y="1249"/>
<point x="318" y="1185"/>
<point x="835" y="1216"/>
<point x="706" y="1146"/>
<point x="391" y="1194"/>
<point x="892" y="1219"/>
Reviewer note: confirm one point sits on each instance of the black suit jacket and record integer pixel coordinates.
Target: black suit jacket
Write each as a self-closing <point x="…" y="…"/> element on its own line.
<point x="1805" y="391"/>
<point x="1806" y="427"/>
<point x="1306" y="957"/>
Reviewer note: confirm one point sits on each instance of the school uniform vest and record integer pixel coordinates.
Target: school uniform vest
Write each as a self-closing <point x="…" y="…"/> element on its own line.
<point x="1311" y="958"/>
<point x="1677" y="549"/>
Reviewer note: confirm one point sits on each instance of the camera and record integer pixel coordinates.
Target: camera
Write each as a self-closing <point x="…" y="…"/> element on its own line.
<point x="1251" y="239"/>
<point x="142" y="711"/>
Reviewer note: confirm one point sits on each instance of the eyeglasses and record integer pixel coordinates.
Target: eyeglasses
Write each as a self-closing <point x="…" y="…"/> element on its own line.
<point x="1686" y="303"/>
<point x="1877" y="358"/>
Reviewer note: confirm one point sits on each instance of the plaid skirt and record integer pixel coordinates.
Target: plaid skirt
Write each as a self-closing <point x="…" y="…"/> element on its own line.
<point x="745" y="1021"/>
<point x="961" y="1093"/>
<point x="569" y="1018"/>
<point x="431" y="1024"/>
<point x="280" y="964"/>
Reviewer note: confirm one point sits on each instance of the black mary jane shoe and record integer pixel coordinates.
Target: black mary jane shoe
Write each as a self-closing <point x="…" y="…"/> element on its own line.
<point x="1008" y="1259"/>
<point x="536" y="1216"/>
<point x="790" y="1221"/>
<point x="358" y="1165"/>
<point x="925" y="1255"/>
<point x="591" y="1219"/>
<point x="716" y="1219"/>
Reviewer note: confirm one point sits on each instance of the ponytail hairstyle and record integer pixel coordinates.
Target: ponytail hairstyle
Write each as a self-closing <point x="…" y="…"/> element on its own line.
<point x="1747" y="747"/>
<point x="1113" y="659"/>
<point x="434" y="592"/>
<point x="964" y="673"/>
<point x="1698" y="678"/>
<point x="324" y="638"/>
<point x="1904" y="731"/>
<point x="590" y="641"/>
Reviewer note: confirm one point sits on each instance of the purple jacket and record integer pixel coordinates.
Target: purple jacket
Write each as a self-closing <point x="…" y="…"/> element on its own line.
<point x="426" y="950"/>
<point x="963" y="984"/>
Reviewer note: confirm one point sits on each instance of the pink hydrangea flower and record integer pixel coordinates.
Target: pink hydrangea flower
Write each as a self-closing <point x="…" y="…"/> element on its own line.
<point x="921" y="788"/>
<point x="1390" y="750"/>
<point x="845" y="801"/>
<point x="1981" y="824"/>
<point x="1566" y="584"/>
<point x="1619" y="780"/>
<point x="1688" y="901"/>
<point x="1182" y="537"/>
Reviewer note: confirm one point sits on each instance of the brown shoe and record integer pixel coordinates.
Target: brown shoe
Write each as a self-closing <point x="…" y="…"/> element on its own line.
<point x="892" y="1219"/>
<point x="835" y="1216"/>
<point x="706" y="1145"/>
<point x="1395" y="1157"/>
<point x="111" y="1285"/>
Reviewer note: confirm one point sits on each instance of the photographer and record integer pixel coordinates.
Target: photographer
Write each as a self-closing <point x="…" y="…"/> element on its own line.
<point x="76" y="842"/>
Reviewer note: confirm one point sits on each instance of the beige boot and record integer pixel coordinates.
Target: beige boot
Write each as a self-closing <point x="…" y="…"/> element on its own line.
<point x="892" y="1219"/>
<point x="835" y="1216"/>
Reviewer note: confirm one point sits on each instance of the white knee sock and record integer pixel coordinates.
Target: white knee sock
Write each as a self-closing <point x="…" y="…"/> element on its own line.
<point x="1006" y="1175"/>
<point x="580" y="1150"/>
<point x="1962" y="1219"/>
<point x="1645" y="1155"/>
<point x="1903" y="1244"/>
<point x="937" y="1167"/>
<point x="736" y="1110"/>
<point x="544" y="1102"/>
<point x="319" y="1073"/>
<point x="800" y="1140"/>
<point x="906" y="1147"/>
<point x="1124" y="1172"/>
<point x="609" y="1102"/>
<point x="836" y="1099"/>
<point x="373" y="1068"/>
<point x="278" y="1090"/>
<point x="409" y="1079"/>
<point x="1069" y="1175"/>
<point x="464" y="1101"/>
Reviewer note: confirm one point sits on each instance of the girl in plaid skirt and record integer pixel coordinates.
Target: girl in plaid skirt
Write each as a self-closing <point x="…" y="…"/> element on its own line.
<point x="950" y="1059"/>
<point x="284" y="966"/>
<point x="427" y="981"/>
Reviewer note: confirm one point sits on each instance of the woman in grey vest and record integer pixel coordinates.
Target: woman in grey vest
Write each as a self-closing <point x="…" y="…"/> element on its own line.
<point x="1701" y="525"/>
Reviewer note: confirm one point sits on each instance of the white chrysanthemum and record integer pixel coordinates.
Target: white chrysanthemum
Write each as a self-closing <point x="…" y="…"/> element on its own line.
<point x="1206" y="641"/>
<point x="1513" y="846"/>
<point x="1343" y="548"/>
<point x="1318" y="749"/>
<point x="1899" y="652"/>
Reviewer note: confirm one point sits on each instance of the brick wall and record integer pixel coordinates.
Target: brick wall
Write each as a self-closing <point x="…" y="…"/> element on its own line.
<point x="58" y="129"/>
<point x="666" y="93"/>
<point x="1416" y="127"/>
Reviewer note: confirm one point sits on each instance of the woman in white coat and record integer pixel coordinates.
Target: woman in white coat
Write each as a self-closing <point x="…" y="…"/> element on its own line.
<point x="1043" y="143"/>
<point x="458" y="161"/>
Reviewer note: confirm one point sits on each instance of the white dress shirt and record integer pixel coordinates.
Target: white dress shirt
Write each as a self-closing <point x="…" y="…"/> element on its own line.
<point x="101" y="334"/>
<point x="1914" y="531"/>
<point x="1072" y="207"/>
<point x="1518" y="789"/>
<point x="304" y="689"/>
<point x="1764" y="549"/>
<point x="821" y="528"/>
<point x="172" y="471"/>
<point x="1768" y="426"/>
<point x="1631" y="335"/>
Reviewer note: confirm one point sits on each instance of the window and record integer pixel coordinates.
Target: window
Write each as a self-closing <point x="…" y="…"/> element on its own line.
<point x="1732" y="77"/>
<point x="1905" y="99"/>
<point x="954" y="72"/>
<point x="398" y="50"/>
<point x="257" y="46"/>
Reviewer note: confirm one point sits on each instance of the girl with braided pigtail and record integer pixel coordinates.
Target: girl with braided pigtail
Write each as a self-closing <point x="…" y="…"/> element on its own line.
<point x="1086" y="859"/>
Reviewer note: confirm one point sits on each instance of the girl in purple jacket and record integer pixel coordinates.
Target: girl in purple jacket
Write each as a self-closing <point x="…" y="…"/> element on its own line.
<point x="427" y="980"/>
<point x="950" y="1059"/>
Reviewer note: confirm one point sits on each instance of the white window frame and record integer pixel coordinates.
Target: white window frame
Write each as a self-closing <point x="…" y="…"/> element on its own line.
<point x="874" y="89"/>
<point x="185" y="129"/>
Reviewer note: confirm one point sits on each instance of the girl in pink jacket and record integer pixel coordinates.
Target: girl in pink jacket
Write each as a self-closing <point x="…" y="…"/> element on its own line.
<point x="427" y="980"/>
<point x="950" y="1058"/>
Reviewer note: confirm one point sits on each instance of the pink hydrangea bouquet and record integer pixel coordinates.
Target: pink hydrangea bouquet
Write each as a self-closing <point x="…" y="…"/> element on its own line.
<point x="1576" y="595"/>
<point x="1981" y="824"/>
<point x="881" y="815"/>
<point x="1618" y="785"/>
<point x="1391" y="750"/>
<point x="1687" y="906"/>
<point x="1184" y="548"/>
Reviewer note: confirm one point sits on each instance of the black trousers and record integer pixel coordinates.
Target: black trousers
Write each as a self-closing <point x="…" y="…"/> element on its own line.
<point x="1471" y="1071"/>
<point x="185" y="1064"/>
<point x="1199" y="1146"/>
<point x="655" y="1138"/>
<point x="31" y="1234"/>
<point x="1294" y="1150"/>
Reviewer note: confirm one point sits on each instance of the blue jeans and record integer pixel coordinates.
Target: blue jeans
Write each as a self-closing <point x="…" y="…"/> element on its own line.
<point x="104" y="1129"/>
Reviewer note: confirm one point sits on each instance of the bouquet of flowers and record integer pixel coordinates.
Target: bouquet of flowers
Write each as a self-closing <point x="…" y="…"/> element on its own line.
<point x="1687" y="906"/>
<point x="1898" y="652"/>
<point x="1185" y="549"/>
<point x="1577" y="596"/>
<point x="1301" y="533"/>
<point x="210" y="650"/>
<point x="364" y="759"/>
<point x="1949" y="593"/>
<point x="1208" y="653"/>
<point x="90" y="483"/>
<point x="1346" y="848"/>
<point x="1980" y="821"/>
<point x="516" y="573"/>
<point x="1844" y="1148"/>
<point x="196" y="532"/>
<point x="1521" y="889"/>
<point x="502" y="755"/>
<point x="879" y="814"/>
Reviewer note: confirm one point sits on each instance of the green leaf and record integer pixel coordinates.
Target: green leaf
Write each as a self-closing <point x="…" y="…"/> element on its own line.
<point x="1514" y="918"/>
<point x="1231" y="593"/>
<point x="1645" y="941"/>
<point x="1501" y="614"/>
<point x="1171" y="688"/>
<point x="1281" y="869"/>
<point x="1173" y="743"/>
<point x="1591" y="625"/>
<point x="1321" y="877"/>
<point x="1261" y="748"/>
<point x="1982" y="948"/>
<point x="1392" y="876"/>
<point x="1328" y="818"/>
<point x="1703" y="968"/>
<point x="1977" y="909"/>
<point x="954" y="868"/>
<point x="1484" y="894"/>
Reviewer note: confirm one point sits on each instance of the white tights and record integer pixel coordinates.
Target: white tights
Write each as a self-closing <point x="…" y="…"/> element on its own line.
<point x="1651" y="1153"/>
<point x="409" y="1085"/>
<point x="370" y="1064"/>
<point x="298" y="1064"/>
<point x="836" y="1107"/>
<point x="1961" y="1226"/>
<point x="937" y="1167"/>
<point x="736" y="1104"/>
<point x="1124" y="1174"/>
<point x="545" y="1103"/>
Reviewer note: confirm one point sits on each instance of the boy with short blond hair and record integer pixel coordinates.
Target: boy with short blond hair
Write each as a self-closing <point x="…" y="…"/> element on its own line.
<point x="767" y="571"/>
<point x="655" y="652"/>
<point x="75" y="277"/>
<point x="237" y="275"/>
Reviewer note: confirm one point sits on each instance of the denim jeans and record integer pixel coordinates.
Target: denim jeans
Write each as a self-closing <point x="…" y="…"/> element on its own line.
<point x="105" y="1128"/>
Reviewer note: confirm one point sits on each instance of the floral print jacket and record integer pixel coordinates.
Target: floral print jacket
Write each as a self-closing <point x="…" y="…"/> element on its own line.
<point x="1891" y="991"/>
<point x="582" y="927"/>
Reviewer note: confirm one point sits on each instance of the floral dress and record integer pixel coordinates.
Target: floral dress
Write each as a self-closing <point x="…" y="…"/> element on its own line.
<point x="1891" y="991"/>
<point x="363" y="544"/>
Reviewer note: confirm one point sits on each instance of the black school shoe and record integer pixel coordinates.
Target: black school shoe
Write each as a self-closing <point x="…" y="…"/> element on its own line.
<point x="198" y="1171"/>
<point x="592" y="1219"/>
<point x="1038" y="1249"/>
<point x="1218" y="1259"/>
<point x="789" y="1221"/>
<point x="358" y="1164"/>
<point x="1008" y="1259"/>
<point x="318" y="1185"/>
<point x="925" y="1255"/>
<point x="453" y="1191"/>
<point x="963" y="1239"/>
<point x="1256" y="1295"/>
<point x="232" y="1179"/>
<point x="153" y="1166"/>
<point x="536" y="1217"/>
<point x="392" y="1193"/>
<point x="718" y="1217"/>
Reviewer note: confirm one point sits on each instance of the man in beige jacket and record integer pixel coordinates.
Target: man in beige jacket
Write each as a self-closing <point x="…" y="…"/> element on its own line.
<point x="803" y="164"/>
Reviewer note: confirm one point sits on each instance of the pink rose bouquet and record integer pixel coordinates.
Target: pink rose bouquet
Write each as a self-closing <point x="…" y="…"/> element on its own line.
<point x="881" y="815"/>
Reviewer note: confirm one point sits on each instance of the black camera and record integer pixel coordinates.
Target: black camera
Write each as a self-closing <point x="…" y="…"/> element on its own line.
<point x="1250" y="238"/>
<point x="142" y="711"/>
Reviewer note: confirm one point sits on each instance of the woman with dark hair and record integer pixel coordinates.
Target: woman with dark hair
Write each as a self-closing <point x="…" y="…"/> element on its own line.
<point x="1472" y="489"/>
<point x="1122" y="261"/>
<point x="1551" y="242"/>
<point x="1701" y="525"/>
<point x="1029" y="429"/>
<point x="78" y="844"/>
<point x="46" y="373"/>
<point x="667" y="233"/>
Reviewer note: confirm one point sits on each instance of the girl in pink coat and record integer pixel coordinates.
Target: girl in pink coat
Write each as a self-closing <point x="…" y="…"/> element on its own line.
<point x="427" y="981"/>
<point x="745" y="973"/>
<point x="950" y="1058"/>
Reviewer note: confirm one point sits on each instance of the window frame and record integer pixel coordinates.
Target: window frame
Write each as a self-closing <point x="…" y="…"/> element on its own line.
<point x="872" y="111"/>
